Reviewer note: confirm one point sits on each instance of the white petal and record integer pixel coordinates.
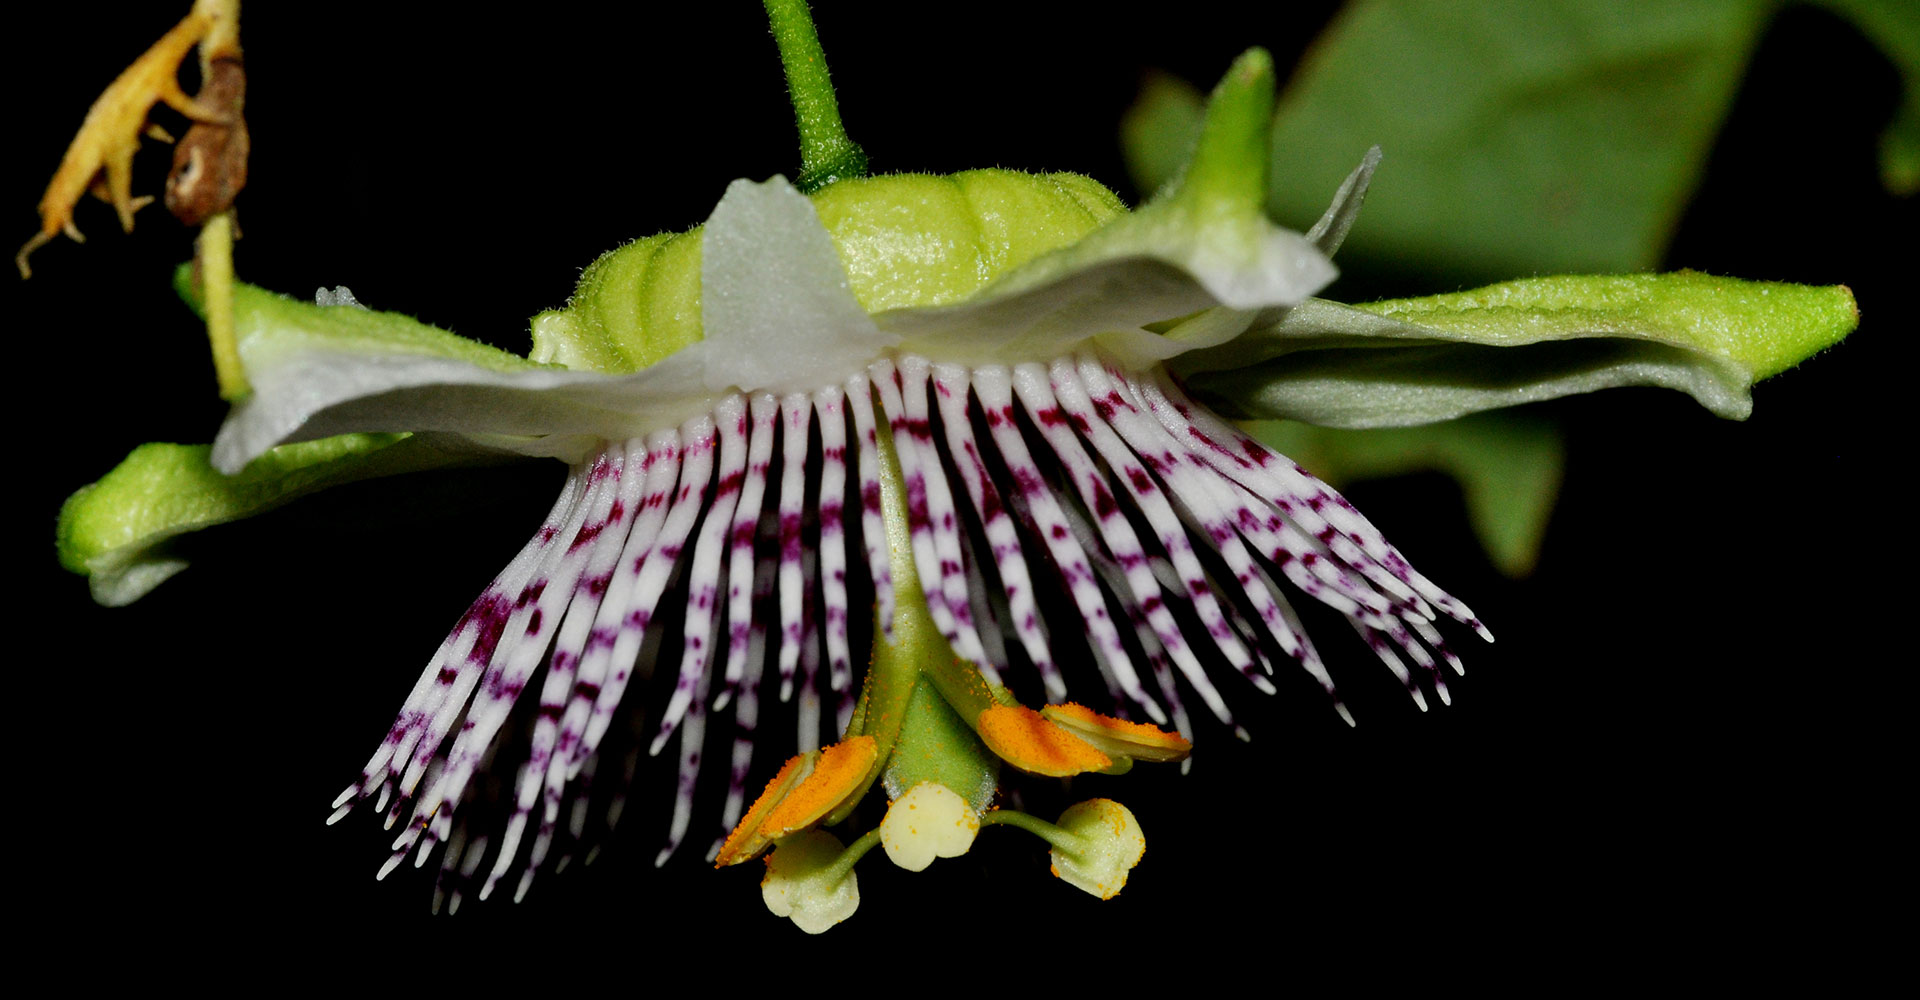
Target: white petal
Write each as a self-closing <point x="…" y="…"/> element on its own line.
<point x="311" y="390"/>
<point x="1149" y="267"/>
<point x="776" y="308"/>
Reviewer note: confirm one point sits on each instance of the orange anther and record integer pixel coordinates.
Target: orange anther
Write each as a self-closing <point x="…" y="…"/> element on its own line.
<point x="1024" y="738"/>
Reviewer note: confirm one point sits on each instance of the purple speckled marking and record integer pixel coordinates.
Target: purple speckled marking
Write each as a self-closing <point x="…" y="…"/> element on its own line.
<point x="477" y="673"/>
<point x="1134" y="451"/>
<point x="740" y="565"/>
<point x="1033" y="385"/>
<point x="1016" y="581"/>
<point x="522" y="648"/>
<point x="1076" y="385"/>
<point x="796" y="414"/>
<point x="1213" y="502"/>
<point x="693" y="730"/>
<point x="698" y="442"/>
<point x="730" y="416"/>
<point x="746" y="714"/>
<point x="662" y="469"/>
<point x="994" y="387"/>
<point x="1331" y="545"/>
<point x="828" y="407"/>
<point x="935" y="552"/>
<point x="1264" y="474"/>
<point x="808" y="731"/>
<point x="860" y="404"/>
<point x="942" y="516"/>
<point x="427" y="716"/>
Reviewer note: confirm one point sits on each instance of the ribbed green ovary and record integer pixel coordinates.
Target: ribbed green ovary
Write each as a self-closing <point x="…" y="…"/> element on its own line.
<point x="908" y="240"/>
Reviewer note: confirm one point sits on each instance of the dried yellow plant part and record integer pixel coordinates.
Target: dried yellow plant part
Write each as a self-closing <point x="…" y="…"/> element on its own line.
<point x="110" y="135"/>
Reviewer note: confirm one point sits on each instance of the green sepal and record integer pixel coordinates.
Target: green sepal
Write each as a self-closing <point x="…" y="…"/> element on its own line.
<point x="937" y="745"/>
<point x="634" y="306"/>
<point x="269" y="323"/>
<point x="1508" y="463"/>
<point x="1412" y="361"/>
<point x="1203" y="242"/>
<point x="1227" y="172"/>
<point x="906" y="241"/>
<point x="916" y="240"/>
<point x="117" y="531"/>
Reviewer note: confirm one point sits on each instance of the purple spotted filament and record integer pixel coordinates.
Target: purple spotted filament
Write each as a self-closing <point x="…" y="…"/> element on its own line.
<point x="1064" y="510"/>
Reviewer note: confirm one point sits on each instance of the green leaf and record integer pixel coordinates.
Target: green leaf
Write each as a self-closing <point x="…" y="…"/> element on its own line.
<point x="1508" y="465"/>
<point x="1894" y="25"/>
<point x="1552" y="137"/>
<point x="1159" y="128"/>
<point x="116" y="531"/>
<point x="1412" y="361"/>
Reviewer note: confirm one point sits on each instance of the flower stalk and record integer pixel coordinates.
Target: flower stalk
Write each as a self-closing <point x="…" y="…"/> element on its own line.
<point x="213" y="250"/>
<point x="1053" y="835"/>
<point x="826" y="154"/>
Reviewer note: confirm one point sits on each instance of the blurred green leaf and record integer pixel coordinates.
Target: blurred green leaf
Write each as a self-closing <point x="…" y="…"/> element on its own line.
<point x="1894" y="26"/>
<point x="1159" y="128"/>
<point x="1554" y="136"/>
<point x="1537" y="138"/>
<point x="1508" y="465"/>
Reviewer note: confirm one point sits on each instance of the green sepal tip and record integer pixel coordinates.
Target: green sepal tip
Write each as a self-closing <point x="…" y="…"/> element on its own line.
<point x="117" y="531"/>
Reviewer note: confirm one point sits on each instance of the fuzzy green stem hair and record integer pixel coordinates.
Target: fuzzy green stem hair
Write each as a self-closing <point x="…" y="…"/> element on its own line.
<point x="826" y="154"/>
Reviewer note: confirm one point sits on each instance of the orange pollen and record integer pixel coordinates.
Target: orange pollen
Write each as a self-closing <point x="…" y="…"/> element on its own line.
<point x="836" y="774"/>
<point x="1025" y="739"/>
<point x="736" y="847"/>
<point x="1133" y="732"/>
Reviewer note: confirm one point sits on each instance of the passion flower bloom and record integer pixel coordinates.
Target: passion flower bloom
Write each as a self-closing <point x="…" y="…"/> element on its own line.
<point x="959" y="430"/>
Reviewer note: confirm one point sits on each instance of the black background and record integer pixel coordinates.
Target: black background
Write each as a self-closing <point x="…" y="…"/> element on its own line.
<point x="1680" y="744"/>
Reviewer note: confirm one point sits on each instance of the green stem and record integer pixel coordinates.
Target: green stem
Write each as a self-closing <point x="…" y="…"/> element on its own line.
<point x="895" y="669"/>
<point x="843" y="864"/>
<point x="916" y="651"/>
<point x="215" y="246"/>
<point x="215" y="252"/>
<point x="956" y="679"/>
<point x="1071" y="843"/>
<point x="826" y="154"/>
